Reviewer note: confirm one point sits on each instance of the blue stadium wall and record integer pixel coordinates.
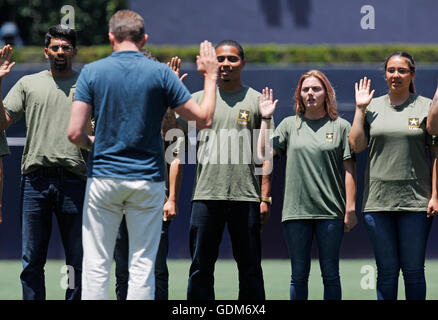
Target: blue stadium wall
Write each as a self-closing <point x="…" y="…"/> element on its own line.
<point x="288" y="21"/>
<point x="283" y="79"/>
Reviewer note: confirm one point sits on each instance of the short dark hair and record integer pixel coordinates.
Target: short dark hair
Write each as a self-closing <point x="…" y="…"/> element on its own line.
<point x="60" y="31"/>
<point x="234" y="44"/>
<point x="127" y="25"/>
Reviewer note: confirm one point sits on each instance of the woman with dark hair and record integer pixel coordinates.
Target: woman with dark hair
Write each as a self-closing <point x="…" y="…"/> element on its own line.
<point x="400" y="182"/>
<point x="317" y="202"/>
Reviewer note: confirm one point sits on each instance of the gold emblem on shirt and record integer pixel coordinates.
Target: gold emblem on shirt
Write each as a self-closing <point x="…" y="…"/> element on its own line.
<point x="413" y="123"/>
<point x="243" y="117"/>
<point x="329" y="136"/>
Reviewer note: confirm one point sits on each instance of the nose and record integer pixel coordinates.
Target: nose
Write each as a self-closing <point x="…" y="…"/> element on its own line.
<point x="60" y="51"/>
<point x="396" y="73"/>
<point x="226" y="62"/>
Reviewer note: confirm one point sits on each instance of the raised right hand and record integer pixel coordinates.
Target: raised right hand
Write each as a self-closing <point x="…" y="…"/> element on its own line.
<point x="363" y="95"/>
<point x="207" y="61"/>
<point x="266" y="103"/>
<point x="5" y="61"/>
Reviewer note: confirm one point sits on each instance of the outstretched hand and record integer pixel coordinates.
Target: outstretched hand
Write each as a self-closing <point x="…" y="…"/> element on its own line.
<point x="5" y="61"/>
<point x="206" y="62"/>
<point x="363" y="95"/>
<point x="266" y="103"/>
<point x="175" y="65"/>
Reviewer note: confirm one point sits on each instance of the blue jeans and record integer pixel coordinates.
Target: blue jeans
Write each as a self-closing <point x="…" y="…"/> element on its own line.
<point x="207" y="222"/>
<point x="299" y="235"/>
<point x="43" y="194"/>
<point x="121" y="253"/>
<point x="399" y="241"/>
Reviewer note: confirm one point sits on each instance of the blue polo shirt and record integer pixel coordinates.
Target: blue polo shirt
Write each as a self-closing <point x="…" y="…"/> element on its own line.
<point x="129" y="94"/>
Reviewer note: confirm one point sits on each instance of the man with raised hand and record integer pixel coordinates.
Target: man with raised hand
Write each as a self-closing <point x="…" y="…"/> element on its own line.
<point x="229" y="192"/>
<point x="128" y="95"/>
<point x="53" y="169"/>
<point x="170" y="208"/>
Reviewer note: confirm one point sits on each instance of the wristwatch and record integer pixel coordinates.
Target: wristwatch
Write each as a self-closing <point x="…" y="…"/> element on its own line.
<point x="266" y="199"/>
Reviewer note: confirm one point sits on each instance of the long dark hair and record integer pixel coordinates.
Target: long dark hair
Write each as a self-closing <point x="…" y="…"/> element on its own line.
<point x="411" y="64"/>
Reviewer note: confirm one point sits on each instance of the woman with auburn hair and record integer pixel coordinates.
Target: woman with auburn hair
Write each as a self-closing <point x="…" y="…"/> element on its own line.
<point x="316" y="200"/>
<point x="400" y="182"/>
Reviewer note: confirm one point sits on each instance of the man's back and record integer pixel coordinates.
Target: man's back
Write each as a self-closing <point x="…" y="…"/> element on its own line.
<point x="129" y="94"/>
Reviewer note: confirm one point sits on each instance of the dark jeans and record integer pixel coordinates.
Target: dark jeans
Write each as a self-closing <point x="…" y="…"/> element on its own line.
<point x="207" y="222"/>
<point x="399" y="240"/>
<point x="121" y="254"/>
<point x="299" y="235"/>
<point x="42" y="194"/>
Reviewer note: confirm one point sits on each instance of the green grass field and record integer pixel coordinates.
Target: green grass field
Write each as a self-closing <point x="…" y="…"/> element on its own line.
<point x="276" y="275"/>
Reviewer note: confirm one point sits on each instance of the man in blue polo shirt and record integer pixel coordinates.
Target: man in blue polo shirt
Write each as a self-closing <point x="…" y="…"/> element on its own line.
<point x="128" y="95"/>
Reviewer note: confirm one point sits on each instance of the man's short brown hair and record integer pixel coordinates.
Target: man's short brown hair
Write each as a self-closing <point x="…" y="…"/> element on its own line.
<point x="127" y="25"/>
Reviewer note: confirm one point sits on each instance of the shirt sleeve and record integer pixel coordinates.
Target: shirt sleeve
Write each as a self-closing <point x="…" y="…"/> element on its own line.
<point x="14" y="102"/>
<point x="176" y="92"/>
<point x="346" y="146"/>
<point x="280" y="137"/>
<point x="84" y="89"/>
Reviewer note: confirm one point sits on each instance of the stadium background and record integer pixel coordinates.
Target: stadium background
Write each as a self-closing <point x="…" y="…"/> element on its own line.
<point x="305" y="22"/>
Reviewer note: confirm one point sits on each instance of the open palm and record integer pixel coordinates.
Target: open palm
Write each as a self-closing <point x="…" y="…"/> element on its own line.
<point x="5" y="61"/>
<point x="266" y="102"/>
<point x="363" y="94"/>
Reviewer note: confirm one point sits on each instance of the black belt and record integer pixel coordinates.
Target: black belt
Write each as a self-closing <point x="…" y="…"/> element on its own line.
<point x="54" y="172"/>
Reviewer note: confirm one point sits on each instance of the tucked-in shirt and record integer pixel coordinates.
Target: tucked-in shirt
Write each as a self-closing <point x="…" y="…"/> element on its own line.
<point x="46" y="101"/>
<point x="315" y="149"/>
<point x="225" y="160"/>
<point x="398" y="173"/>
<point x="129" y="94"/>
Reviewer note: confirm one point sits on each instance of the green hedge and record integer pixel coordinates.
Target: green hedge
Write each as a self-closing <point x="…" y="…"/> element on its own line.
<point x="264" y="54"/>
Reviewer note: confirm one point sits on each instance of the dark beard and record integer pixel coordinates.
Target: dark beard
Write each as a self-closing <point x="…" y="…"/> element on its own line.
<point x="59" y="67"/>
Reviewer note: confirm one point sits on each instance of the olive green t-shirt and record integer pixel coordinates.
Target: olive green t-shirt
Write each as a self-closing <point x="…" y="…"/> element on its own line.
<point x="225" y="166"/>
<point x="398" y="173"/>
<point x="315" y="149"/>
<point x="4" y="148"/>
<point x="46" y="102"/>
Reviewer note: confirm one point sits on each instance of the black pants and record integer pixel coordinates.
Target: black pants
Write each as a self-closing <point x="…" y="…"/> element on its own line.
<point x="207" y="223"/>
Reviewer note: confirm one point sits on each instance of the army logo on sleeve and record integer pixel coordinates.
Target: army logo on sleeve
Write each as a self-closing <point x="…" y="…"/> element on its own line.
<point x="413" y="123"/>
<point x="243" y="117"/>
<point x="329" y="136"/>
